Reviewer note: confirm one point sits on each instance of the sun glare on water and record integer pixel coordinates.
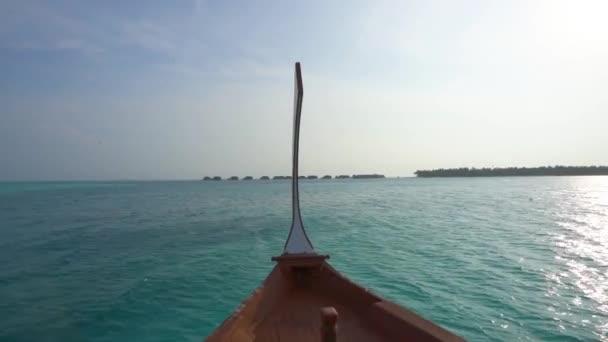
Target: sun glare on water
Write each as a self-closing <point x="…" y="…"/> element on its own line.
<point x="581" y="248"/>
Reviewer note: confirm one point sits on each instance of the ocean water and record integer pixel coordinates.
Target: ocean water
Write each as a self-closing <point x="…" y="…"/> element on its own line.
<point x="493" y="259"/>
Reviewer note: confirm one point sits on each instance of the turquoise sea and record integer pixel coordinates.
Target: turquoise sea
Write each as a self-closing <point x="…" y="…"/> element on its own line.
<point x="493" y="259"/>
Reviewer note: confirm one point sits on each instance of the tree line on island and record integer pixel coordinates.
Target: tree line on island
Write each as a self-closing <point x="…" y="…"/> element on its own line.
<point x="557" y="170"/>
<point x="234" y="178"/>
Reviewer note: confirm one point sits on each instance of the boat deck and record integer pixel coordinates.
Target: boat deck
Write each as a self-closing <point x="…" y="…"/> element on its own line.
<point x="287" y="307"/>
<point x="298" y="318"/>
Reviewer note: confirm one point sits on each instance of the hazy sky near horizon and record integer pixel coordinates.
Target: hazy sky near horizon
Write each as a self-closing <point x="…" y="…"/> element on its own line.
<point x="184" y="89"/>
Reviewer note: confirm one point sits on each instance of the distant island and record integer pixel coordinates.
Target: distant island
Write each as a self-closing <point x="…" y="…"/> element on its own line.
<point x="375" y="175"/>
<point x="310" y="177"/>
<point x="557" y="170"/>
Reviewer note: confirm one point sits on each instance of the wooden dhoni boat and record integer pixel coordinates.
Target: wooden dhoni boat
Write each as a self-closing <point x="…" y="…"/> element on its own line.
<point x="305" y="299"/>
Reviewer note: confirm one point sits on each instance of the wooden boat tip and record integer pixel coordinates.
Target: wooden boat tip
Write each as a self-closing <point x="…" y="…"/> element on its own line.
<point x="305" y="299"/>
<point x="293" y="302"/>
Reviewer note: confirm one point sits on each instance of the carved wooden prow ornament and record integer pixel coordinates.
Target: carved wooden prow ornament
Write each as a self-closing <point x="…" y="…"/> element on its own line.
<point x="297" y="241"/>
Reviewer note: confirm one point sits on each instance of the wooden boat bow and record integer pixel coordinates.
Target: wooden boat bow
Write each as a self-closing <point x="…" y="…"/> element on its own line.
<point x="305" y="299"/>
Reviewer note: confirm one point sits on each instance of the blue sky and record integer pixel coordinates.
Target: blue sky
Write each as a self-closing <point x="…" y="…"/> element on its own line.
<point x="179" y="90"/>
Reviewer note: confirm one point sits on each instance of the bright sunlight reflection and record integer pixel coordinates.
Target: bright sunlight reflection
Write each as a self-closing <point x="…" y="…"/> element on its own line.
<point x="582" y="246"/>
